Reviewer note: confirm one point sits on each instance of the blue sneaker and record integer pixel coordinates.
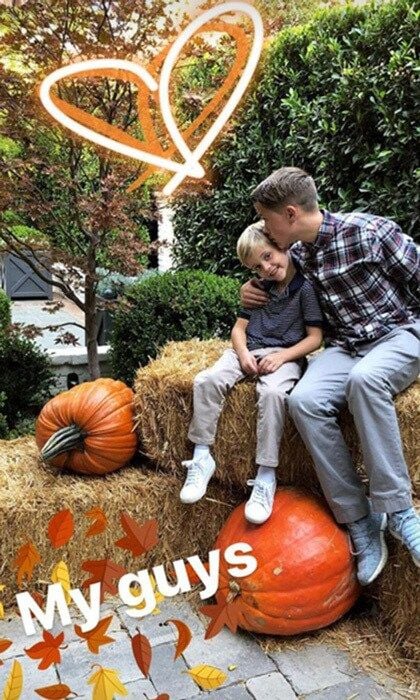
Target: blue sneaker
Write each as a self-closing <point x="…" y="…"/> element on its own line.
<point x="368" y="538"/>
<point x="405" y="526"/>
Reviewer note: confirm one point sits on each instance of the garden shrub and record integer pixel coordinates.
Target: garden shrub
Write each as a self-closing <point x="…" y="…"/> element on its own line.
<point x="335" y="97"/>
<point x="171" y="306"/>
<point x="25" y="378"/>
<point x="5" y="310"/>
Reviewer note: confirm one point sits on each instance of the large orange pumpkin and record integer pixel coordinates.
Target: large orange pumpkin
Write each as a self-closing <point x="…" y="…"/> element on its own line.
<point x="88" y="429"/>
<point x="305" y="577"/>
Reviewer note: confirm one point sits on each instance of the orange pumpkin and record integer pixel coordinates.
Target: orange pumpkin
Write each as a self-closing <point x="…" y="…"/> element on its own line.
<point x="88" y="429"/>
<point x="305" y="577"/>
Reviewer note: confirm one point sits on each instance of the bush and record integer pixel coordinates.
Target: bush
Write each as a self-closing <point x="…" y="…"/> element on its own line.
<point x="171" y="306"/>
<point x="25" y="378"/>
<point x="335" y="97"/>
<point x="5" y="310"/>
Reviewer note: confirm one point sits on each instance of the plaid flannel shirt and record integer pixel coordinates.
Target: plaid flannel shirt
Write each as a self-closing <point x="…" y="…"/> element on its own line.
<point x="367" y="275"/>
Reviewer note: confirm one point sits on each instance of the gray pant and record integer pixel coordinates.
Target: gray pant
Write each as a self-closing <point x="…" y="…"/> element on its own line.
<point x="367" y="382"/>
<point x="211" y="387"/>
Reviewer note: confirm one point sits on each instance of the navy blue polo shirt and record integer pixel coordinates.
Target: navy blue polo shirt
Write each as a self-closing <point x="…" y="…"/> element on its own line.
<point x="282" y="321"/>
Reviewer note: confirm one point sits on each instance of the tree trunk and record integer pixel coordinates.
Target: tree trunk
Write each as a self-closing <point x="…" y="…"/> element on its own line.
<point x="90" y="316"/>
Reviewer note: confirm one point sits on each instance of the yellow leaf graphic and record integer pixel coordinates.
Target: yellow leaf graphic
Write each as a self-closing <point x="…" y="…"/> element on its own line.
<point x="14" y="684"/>
<point x="60" y="574"/>
<point x="106" y="684"/>
<point x="158" y="595"/>
<point x="2" y="587"/>
<point x="207" y="677"/>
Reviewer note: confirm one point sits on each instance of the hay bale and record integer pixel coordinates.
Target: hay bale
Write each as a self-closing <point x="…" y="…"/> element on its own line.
<point x="163" y="409"/>
<point x="31" y="493"/>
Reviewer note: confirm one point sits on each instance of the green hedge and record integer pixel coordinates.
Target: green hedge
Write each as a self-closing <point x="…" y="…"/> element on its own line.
<point x="171" y="306"/>
<point x="5" y="310"/>
<point x="25" y="379"/>
<point x="335" y="97"/>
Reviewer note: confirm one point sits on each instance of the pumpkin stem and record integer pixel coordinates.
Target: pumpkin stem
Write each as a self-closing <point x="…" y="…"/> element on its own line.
<point x="69" y="438"/>
<point x="234" y="591"/>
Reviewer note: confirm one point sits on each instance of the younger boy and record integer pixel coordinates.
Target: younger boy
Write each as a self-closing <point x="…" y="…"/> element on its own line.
<point x="269" y="342"/>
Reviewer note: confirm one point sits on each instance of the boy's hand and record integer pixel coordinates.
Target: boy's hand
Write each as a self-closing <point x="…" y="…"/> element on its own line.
<point x="248" y="362"/>
<point x="270" y="363"/>
<point x="252" y="296"/>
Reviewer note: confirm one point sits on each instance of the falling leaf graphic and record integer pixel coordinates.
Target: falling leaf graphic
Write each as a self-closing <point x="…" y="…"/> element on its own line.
<point x="184" y="636"/>
<point x="61" y="528"/>
<point x="55" y="692"/>
<point x="103" y="571"/>
<point x="207" y="677"/>
<point x="142" y="652"/>
<point x="134" y="590"/>
<point x="5" y="644"/>
<point x="14" y="684"/>
<point x="106" y="684"/>
<point x="2" y="587"/>
<point x="99" y="521"/>
<point x="222" y="614"/>
<point x="60" y="574"/>
<point x="162" y="696"/>
<point x="27" y="558"/>
<point x="139" y="538"/>
<point x="96" y="638"/>
<point x="48" y="650"/>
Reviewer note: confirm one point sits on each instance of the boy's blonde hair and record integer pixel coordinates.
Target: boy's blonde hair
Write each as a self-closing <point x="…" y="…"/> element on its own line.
<point x="253" y="237"/>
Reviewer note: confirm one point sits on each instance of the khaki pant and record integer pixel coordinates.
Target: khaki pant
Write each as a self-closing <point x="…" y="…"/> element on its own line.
<point x="212" y="385"/>
<point x="367" y="382"/>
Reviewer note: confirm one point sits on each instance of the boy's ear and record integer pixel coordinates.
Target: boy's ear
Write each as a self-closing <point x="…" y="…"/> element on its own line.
<point x="291" y="213"/>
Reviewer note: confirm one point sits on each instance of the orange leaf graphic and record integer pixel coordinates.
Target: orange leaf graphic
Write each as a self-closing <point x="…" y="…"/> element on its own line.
<point x="184" y="636"/>
<point x="96" y="637"/>
<point x="162" y="696"/>
<point x="104" y="572"/>
<point x="222" y="614"/>
<point x="4" y="645"/>
<point x="139" y="538"/>
<point x="54" y="692"/>
<point x="61" y="528"/>
<point x="48" y="650"/>
<point x="27" y="558"/>
<point x="142" y="651"/>
<point x="99" y="521"/>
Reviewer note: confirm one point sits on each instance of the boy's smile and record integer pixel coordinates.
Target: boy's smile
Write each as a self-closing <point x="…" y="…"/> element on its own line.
<point x="269" y="263"/>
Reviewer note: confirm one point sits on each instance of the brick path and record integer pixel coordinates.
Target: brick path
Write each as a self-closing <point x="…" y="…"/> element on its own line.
<point x="318" y="672"/>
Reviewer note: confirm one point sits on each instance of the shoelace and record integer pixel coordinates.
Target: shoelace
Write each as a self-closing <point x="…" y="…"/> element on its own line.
<point x="260" y="492"/>
<point x="195" y="470"/>
<point x="408" y="526"/>
<point x="360" y="538"/>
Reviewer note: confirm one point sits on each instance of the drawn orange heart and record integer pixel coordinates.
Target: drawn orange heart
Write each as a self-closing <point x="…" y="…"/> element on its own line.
<point x="150" y="150"/>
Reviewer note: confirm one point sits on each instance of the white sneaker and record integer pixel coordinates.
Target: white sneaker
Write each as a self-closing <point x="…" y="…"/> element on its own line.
<point x="199" y="474"/>
<point x="260" y="503"/>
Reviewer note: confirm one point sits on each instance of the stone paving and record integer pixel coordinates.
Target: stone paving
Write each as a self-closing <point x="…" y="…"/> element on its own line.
<point x="316" y="672"/>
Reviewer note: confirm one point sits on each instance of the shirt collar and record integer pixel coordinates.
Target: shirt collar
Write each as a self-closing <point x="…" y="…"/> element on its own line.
<point x="326" y="230"/>
<point x="294" y="284"/>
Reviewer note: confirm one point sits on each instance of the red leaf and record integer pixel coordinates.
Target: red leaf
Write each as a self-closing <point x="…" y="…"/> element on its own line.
<point x="48" y="650"/>
<point x="142" y="652"/>
<point x="104" y="572"/>
<point x="61" y="528"/>
<point x="184" y="636"/>
<point x="139" y="538"/>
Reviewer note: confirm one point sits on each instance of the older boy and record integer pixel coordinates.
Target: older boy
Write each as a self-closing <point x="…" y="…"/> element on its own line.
<point x="366" y="272"/>
<point x="271" y="343"/>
